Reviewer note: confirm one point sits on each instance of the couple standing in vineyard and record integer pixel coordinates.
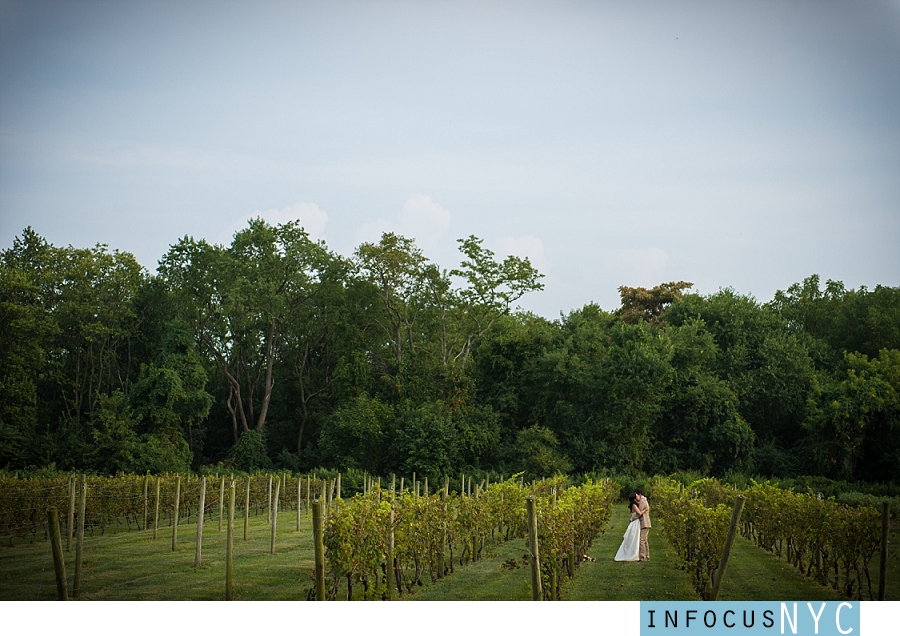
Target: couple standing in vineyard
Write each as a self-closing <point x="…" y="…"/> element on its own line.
<point x="634" y="545"/>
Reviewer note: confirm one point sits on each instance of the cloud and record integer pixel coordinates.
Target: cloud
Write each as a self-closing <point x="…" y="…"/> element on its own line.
<point x="420" y="218"/>
<point x="424" y="220"/>
<point x="644" y="267"/>
<point x="528" y="246"/>
<point x="312" y="218"/>
<point x="371" y="232"/>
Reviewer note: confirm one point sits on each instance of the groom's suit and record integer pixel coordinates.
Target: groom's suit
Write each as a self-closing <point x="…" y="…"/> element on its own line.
<point x="644" y="549"/>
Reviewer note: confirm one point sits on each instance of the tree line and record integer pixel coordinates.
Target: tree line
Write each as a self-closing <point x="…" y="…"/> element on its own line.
<point x="276" y="352"/>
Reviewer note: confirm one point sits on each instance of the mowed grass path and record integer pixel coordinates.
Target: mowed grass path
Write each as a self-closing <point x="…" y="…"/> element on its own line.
<point x="603" y="580"/>
<point x="484" y="580"/>
<point x="658" y="579"/>
<point x="756" y="575"/>
<point x="132" y="566"/>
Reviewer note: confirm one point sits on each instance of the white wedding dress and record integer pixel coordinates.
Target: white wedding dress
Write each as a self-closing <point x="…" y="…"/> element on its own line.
<point x="628" y="551"/>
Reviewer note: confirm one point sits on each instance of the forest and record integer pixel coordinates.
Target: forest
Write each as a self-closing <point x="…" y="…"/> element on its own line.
<point x="275" y="352"/>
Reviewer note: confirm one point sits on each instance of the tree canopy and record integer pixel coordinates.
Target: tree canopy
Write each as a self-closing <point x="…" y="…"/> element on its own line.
<point x="274" y="351"/>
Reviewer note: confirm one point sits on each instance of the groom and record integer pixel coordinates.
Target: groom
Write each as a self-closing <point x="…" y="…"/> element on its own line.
<point x="644" y="510"/>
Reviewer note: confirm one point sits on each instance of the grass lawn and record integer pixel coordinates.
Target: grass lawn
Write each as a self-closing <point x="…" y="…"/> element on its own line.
<point x="484" y="580"/>
<point x="756" y="575"/>
<point x="132" y="566"/>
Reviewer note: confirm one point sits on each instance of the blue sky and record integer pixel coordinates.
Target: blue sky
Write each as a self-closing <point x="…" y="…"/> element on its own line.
<point x="614" y="143"/>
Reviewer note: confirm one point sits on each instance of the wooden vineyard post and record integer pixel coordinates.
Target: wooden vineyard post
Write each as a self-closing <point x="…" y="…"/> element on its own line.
<point x="339" y="486"/>
<point x="156" y="511"/>
<point x="79" y="538"/>
<point x="247" y="510"/>
<point x="882" y="569"/>
<point x="200" y="514"/>
<point x="175" y="518"/>
<point x="229" y="544"/>
<point x="440" y="556"/>
<point x="570" y="558"/>
<point x="299" y="500"/>
<point x="554" y="563"/>
<point x="70" y="526"/>
<point x="269" y="509"/>
<point x="146" y="500"/>
<point x="726" y="551"/>
<point x="221" y="500"/>
<point x="59" y="562"/>
<point x="275" y="515"/>
<point x="319" y="539"/>
<point x="389" y="566"/>
<point x="536" y="591"/>
<point x="308" y="484"/>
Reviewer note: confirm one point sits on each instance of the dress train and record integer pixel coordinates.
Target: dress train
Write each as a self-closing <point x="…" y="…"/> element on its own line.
<point x="628" y="551"/>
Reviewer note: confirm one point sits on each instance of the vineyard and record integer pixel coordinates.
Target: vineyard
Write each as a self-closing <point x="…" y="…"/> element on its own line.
<point x="833" y="543"/>
<point x="395" y="541"/>
<point x="136" y="503"/>
<point x="429" y="535"/>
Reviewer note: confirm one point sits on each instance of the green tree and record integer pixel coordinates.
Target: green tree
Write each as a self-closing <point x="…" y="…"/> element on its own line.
<point x="537" y="453"/>
<point x="843" y="319"/>
<point x="23" y="333"/>
<point x="239" y="300"/>
<point x="170" y="394"/>
<point x="355" y="435"/>
<point x="854" y="418"/>
<point x="490" y="291"/>
<point x="767" y="365"/>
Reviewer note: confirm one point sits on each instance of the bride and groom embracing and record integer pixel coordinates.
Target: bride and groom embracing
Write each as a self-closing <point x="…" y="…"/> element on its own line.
<point x="634" y="546"/>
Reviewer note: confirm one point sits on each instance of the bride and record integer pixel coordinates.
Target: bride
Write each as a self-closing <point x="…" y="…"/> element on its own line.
<point x="628" y="551"/>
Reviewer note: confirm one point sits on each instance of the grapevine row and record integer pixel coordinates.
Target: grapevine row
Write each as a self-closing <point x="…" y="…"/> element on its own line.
<point x="115" y="503"/>
<point x="829" y="542"/>
<point x="433" y="534"/>
<point x="695" y="531"/>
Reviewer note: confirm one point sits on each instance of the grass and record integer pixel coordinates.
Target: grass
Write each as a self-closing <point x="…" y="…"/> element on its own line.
<point x="132" y="566"/>
<point x="484" y="580"/>
<point x="658" y="579"/>
<point x="756" y="575"/>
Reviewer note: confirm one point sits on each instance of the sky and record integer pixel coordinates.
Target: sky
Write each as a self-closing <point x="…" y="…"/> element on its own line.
<point x="729" y="144"/>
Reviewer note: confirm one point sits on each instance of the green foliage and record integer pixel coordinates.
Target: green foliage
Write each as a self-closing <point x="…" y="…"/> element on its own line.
<point x="249" y="454"/>
<point x="433" y="534"/>
<point x="425" y="440"/>
<point x="538" y="454"/>
<point x="827" y="541"/>
<point x="703" y="426"/>
<point x="355" y="433"/>
<point x="695" y="531"/>
<point x="387" y="362"/>
<point x="855" y="411"/>
<point x="119" y="448"/>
